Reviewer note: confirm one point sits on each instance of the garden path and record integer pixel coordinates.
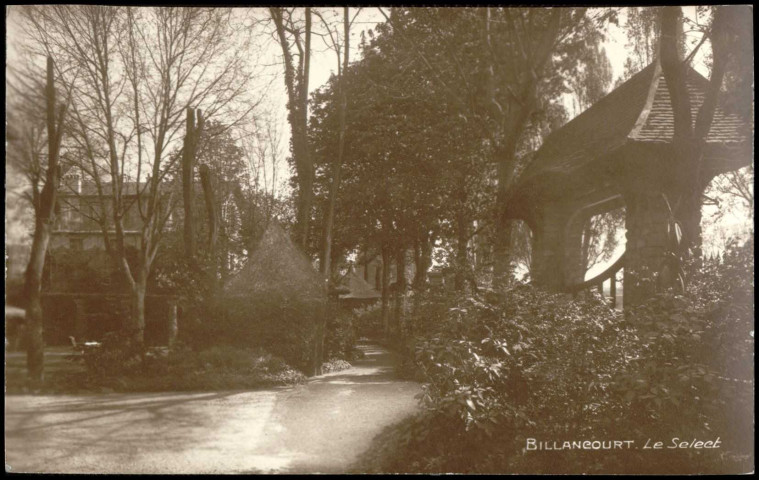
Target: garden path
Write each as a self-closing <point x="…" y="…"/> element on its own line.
<point x="321" y="426"/>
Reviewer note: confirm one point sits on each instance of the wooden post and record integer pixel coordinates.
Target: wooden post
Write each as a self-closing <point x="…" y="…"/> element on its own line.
<point x="80" y="326"/>
<point x="173" y="326"/>
<point x="613" y="290"/>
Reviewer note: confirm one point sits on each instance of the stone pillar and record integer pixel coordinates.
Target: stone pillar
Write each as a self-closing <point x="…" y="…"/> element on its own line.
<point x="574" y="264"/>
<point x="548" y="252"/>
<point x="646" y="221"/>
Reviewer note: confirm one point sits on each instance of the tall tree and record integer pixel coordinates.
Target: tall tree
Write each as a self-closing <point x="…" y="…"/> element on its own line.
<point x="516" y="65"/>
<point x="193" y="131"/>
<point x="499" y="68"/>
<point x="729" y="29"/>
<point x="297" y="59"/>
<point x="326" y="250"/>
<point x="44" y="174"/>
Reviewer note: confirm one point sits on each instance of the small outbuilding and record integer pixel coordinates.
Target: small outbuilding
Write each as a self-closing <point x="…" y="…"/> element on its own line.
<point x="277" y="301"/>
<point x="359" y="293"/>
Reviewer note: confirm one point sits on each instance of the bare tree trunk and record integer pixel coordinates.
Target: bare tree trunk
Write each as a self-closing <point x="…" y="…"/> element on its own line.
<point x="689" y="137"/>
<point x="138" y="307"/>
<point x="45" y="216"/>
<point x="422" y="261"/>
<point x="512" y="123"/>
<point x="306" y="187"/>
<point x="35" y="348"/>
<point x="386" y="289"/>
<point x="296" y="82"/>
<point x="400" y="291"/>
<point x="192" y="133"/>
<point x="210" y="199"/>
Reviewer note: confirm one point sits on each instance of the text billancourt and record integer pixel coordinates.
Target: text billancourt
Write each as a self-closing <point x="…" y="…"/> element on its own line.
<point x="533" y="444"/>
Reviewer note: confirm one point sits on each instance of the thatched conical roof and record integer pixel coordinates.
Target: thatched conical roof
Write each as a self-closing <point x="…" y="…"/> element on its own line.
<point x="277" y="301"/>
<point x="358" y="287"/>
<point x="277" y="267"/>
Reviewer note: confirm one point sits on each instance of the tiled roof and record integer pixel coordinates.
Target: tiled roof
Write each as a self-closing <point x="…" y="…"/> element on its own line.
<point x="659" y="123"/>
<point x="638" y="110"/>
<point x="358" y="287"/>
<point x="596" y="131"/>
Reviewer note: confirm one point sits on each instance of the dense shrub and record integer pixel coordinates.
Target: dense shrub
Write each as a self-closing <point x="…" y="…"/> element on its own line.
<point x="340" y="337"/>
<point x="369" y="321"/>
<point x="119" y="366"/>
<point x="117" y="355"/>
<point x="280" y="324"/>
<point x="501" y="367"/>
<point x="693" y="371"/>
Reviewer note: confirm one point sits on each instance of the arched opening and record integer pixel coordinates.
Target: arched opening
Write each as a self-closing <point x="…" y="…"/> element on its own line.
<point x="603" y="241"/>
<point x="522" y="244"/>
<point x="603" y="244"/>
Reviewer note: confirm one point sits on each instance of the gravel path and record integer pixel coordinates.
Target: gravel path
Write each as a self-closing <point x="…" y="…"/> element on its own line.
<point x="318" y="427"/>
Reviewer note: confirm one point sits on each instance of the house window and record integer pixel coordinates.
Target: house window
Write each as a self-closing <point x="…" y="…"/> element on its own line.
<point x="76" y="244"/>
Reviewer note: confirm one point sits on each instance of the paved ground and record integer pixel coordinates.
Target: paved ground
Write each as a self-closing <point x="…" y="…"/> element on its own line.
<point x="321" y="426"/>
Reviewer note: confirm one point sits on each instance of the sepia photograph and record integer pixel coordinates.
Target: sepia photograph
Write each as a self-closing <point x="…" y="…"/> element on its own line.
<point x="379" y="240"/>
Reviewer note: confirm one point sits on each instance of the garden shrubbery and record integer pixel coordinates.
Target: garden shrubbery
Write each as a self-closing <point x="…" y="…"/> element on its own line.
<point x="503" y="366"/>
<point x="369" y="321"/>
<point x="340" y="337"/>
<point x="120" y="365"/>
<point x="227" y="362"/>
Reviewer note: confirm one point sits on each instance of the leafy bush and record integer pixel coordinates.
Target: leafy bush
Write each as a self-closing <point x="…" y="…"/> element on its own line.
<point x="504" y="366"/>
<point x="369" y="321"/>
<point x="116" y="355"/>
<point x="693" y="369"/>
<point x="181" y="368"/>
<point x="340" y="337"/>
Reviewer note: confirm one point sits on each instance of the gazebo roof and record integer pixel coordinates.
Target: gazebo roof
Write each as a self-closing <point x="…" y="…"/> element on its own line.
<point x="359" y="288"/>
<point x="638" y="111"/>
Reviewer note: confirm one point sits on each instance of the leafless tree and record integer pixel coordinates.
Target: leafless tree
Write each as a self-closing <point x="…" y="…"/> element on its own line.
<point x="139" y="70"/>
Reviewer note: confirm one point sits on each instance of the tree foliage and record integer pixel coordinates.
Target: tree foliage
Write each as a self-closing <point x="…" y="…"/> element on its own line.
<point x="437" y="120"/>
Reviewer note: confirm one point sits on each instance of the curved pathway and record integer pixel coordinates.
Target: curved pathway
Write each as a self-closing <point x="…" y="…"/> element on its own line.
<point x="318" y="427"/>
